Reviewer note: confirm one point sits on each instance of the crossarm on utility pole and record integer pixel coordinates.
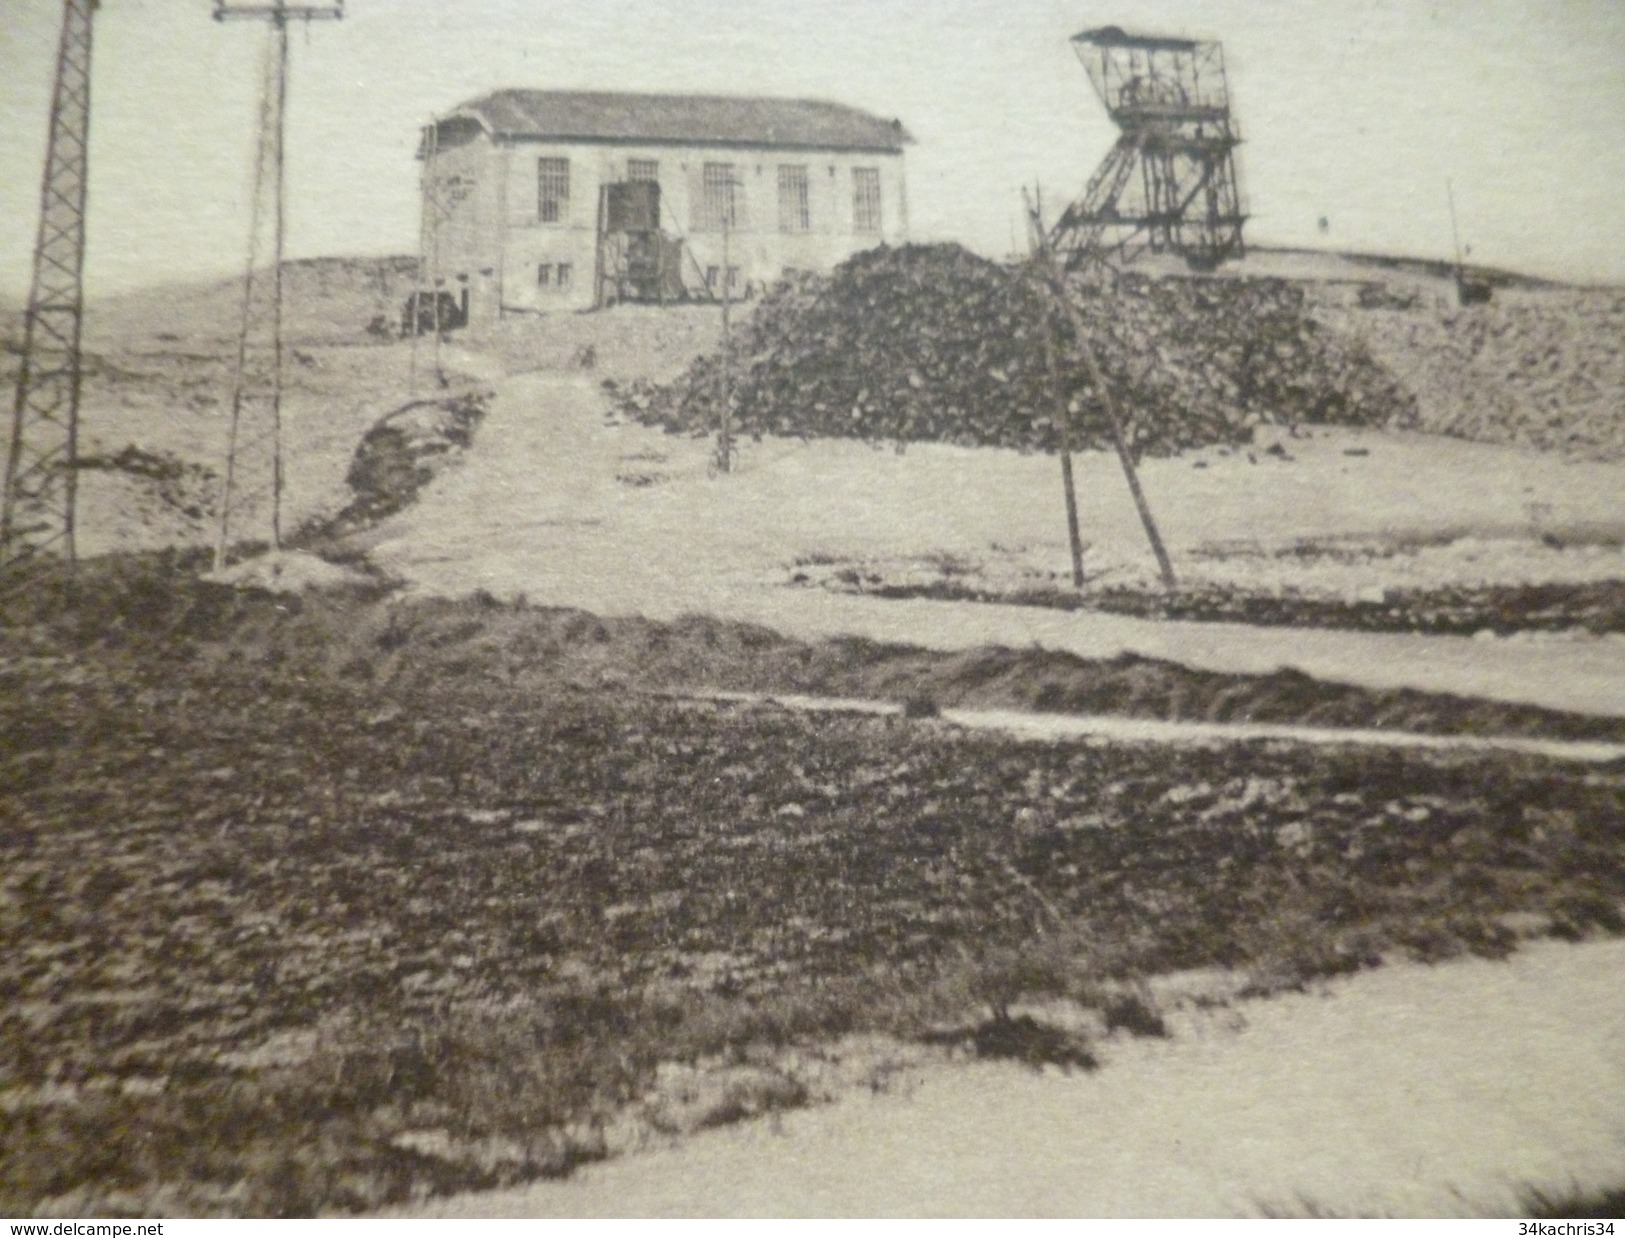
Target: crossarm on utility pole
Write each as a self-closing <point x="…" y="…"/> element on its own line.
<point x="229" y="10"/>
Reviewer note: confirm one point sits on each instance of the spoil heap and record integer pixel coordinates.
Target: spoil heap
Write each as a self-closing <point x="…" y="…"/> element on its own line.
<point x="1542" y="368"/>
<point x="930" y="343"/>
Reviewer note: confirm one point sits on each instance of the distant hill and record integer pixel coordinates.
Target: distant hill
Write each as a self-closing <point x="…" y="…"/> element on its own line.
<point x="1336" y="265"/>
<point x="1324" y="266"/>
<point x="325" y="300"/>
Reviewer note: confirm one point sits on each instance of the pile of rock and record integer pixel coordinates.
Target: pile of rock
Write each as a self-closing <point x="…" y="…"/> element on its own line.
<point x="1542" y="367"/>
<point x="931" y="343"/>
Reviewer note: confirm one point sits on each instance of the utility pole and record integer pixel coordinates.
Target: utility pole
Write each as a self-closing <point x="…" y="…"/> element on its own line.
<point x="1049" y="265"/>
<point x="1063" y="412"/>
<point x="725" y="449"/>
<point x="427" y="282"/>
<point x="253" y="468"/>
<point x="37" y="515"/>
<point x="1455" y="232"/>
<point x="1468" y="291"/>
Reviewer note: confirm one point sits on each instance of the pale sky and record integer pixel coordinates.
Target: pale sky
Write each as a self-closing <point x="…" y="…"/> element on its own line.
<point x="1357" y="110"/>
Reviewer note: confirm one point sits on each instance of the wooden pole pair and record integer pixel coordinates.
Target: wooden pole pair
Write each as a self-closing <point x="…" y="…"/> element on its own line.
<point x="1049" y="271"/>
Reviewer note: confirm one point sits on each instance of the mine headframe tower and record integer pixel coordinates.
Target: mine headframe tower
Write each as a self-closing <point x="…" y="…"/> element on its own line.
<point x="37" y="519"/>
<point x="1169" y="183"/>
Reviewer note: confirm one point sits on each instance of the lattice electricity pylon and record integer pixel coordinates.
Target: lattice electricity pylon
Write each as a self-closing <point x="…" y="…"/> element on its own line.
<point x="251" y="491"/>
<point x="1169" y="184"/>
<point x="37" y="517"/>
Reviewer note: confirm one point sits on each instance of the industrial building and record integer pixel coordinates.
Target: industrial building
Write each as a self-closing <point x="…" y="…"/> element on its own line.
<point x="539" y="200"/>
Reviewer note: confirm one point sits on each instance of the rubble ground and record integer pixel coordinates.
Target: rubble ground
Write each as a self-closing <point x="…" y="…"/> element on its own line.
<point x="1541" y="368"/>
<point x="289" y="932"/>
<point x="1506" y="588"/>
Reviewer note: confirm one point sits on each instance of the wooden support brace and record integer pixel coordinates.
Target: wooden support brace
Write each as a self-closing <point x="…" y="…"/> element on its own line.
<point x="1044" y="256"/>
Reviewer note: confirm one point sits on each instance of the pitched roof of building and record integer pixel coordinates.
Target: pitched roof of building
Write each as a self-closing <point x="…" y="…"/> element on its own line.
<point x="1116" y="36"/>
<point x="808" y="124"/>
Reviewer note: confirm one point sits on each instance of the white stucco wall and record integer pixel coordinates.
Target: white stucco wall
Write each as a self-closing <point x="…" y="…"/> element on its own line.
<point x="494" y="240"/>
<point x="468" y="255"/>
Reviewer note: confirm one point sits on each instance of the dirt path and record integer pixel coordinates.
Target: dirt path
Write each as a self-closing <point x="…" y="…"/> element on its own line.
<point x="554" y="504"/>
<point x="1411" y="1091"/>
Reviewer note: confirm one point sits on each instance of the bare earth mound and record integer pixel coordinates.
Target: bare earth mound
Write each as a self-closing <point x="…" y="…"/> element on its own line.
<point x="1540" y="367"/>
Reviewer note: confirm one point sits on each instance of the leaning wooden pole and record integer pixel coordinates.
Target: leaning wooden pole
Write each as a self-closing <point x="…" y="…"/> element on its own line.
<point x="1063" y="424"/>
<point x="1062" y="412"/>
<point x="725" y="446"/>
<point x="1056" y="276"/>
<point x="1076" y="538"/>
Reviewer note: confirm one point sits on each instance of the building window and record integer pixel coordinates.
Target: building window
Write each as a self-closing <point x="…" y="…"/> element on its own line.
<point x="561" y="277"/>
<point x="643" y="169"/>
<point x="549" y="275"/>
<point x="713" y="274"/>
<point x="552" y="190"/>
<point x="866" y="199"/>
<point x="544" y="275"/>
<point x="722" y="199"/>
<point x="794" y="214"/>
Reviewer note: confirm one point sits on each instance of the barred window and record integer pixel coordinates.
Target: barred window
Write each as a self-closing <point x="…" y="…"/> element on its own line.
<point x="643" y="169"/>
<point x="714" y="274"/>
<point x="723" y="198"/>
<point x="794" y="215"/>
<point x="866" y="199"/>
<point x="552" y="190"/>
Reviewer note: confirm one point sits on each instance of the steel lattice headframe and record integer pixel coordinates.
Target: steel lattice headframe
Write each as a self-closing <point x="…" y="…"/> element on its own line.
<point x="37" y="518"/>
<point x="1169" y="184"/>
